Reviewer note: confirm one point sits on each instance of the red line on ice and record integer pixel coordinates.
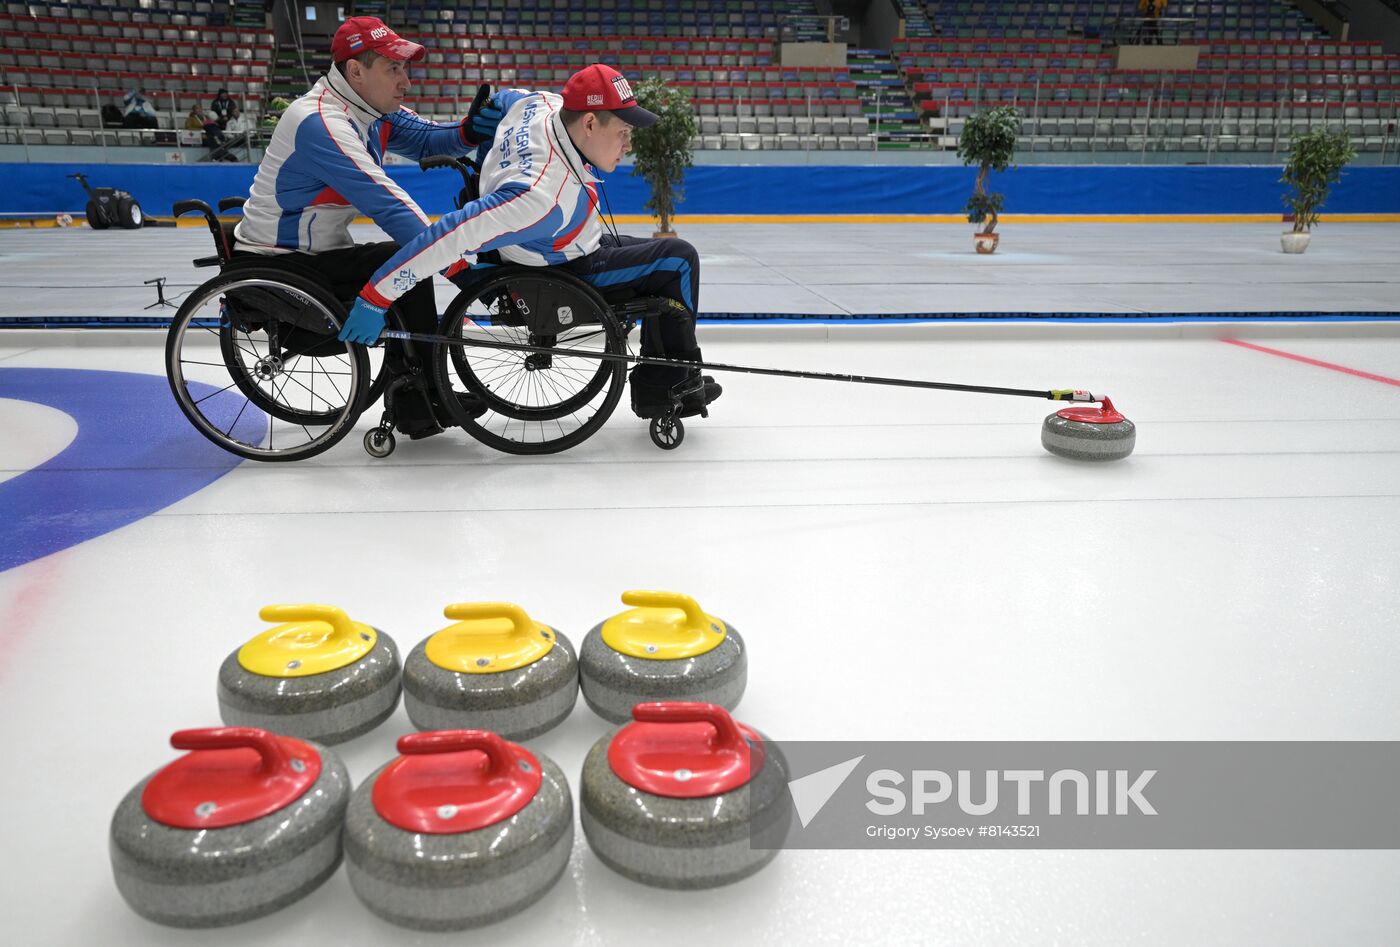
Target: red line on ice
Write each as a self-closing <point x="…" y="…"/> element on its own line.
<point x="1312" y="361"/>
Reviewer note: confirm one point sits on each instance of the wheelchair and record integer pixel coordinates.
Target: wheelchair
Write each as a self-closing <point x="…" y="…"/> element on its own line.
<point x="254" y="363"/>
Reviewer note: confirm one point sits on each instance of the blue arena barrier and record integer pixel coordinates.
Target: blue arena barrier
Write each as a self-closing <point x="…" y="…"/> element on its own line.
<point x="42" y="189"/>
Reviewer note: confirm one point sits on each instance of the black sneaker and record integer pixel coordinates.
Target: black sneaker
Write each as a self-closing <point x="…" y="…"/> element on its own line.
<point x="653" y="389"/>
<point x="697" y="401"/>
<point x="417" y="433"/>
<point x="472" y="406"/>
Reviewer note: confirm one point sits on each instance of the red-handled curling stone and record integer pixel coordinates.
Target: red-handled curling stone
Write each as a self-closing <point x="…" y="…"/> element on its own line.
<point x="673" y="798"/>
<point x="406" y="793"/>
<point x="245" y="823"/>
<point x="1089" y="432"/>
<point x="464" y="828"/>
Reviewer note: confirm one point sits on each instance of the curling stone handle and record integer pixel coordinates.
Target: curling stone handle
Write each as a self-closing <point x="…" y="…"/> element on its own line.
<point x="1072" y="394"/>
<point x="682" y="711"/>
<point x="341" y="625"/>
<point x="456" y="741"/>
<point x="521" y="624"/>
<point x="641" y="598"/>
<point x="274" y="757"/>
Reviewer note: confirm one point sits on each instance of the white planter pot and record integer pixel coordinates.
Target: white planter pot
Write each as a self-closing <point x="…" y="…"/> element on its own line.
<point x="1295" y="241"/>
<point x="986" y="242"/>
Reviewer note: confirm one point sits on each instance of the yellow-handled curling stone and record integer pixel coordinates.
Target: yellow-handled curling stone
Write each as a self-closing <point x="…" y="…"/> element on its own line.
<point x="665" y="648"/>
<point x="463" y="829"/>
<point x="676" y="798"/>
<point x="243" y="824"/>
<point x="317" y="675"/>
<point x="495" y="669"/>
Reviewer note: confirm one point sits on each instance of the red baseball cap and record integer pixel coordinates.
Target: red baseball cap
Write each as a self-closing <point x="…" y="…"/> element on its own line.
<point x="600" y="88"/>
<point x="363" y="34"/>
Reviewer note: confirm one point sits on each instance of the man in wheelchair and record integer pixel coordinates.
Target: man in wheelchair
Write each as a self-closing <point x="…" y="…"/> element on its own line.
<point x="539" y="207"/>
<point x="324" y="166"/>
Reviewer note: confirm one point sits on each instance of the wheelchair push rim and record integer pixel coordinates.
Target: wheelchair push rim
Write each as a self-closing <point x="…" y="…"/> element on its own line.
<point x="252" y="398"/>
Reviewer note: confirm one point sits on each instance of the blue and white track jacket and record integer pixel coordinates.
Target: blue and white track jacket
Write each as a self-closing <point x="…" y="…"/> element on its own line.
<point x="539" y="204"/>
<point x="325" y="164"/>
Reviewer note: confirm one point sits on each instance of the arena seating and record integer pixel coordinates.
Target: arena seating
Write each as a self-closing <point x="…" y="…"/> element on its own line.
<point x="58" y="71"/>
<point x="1211" y="19"/>
<point x="1246" y="94"/>
<point x="1265" y="71"/>
<point x="736" y="88"/>
<point x="719" y="18"/>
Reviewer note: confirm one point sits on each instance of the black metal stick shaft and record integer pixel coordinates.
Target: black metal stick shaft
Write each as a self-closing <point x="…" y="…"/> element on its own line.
<point x="1057" y="394"/>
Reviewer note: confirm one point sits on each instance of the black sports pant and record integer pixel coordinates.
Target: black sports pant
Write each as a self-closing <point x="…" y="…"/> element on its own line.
<point x="662" y="266"/>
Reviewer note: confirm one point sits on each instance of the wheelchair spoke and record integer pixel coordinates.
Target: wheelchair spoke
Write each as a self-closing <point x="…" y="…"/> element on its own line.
<point x="229" y="430"/>
<point x="520" y="378"/>
<point x="254" y="352"/>
<point x="558" y="394"/>
<point x="290" y="373"/>
<point x="338" y="392"/>
<point x="199" y="401"/>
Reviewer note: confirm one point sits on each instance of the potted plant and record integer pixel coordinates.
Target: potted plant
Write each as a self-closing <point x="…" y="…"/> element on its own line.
<point x="275" y="108"/>
<point x="661" y="153"/>
<point x="1315" y="163"/>
<point x="988" y="141"/>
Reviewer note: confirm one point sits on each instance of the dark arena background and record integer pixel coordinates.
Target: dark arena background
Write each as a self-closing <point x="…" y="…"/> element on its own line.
<point x="1192" y="539"/>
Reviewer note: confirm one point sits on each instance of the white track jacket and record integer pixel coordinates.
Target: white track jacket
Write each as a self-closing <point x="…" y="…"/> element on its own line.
<point x="539" y="203"/>
<point x="324" y="166"/>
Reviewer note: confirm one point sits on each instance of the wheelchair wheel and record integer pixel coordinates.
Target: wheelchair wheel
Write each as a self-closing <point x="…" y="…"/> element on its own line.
<point x="259" y="355"/>
<point x="264" y="388"/>
<point x="252" y="344"/>
<point x="536" y="403"/>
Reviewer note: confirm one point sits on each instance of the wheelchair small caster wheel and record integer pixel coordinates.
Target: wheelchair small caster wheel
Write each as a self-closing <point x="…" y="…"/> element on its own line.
<point x="667" y="432"/>
<point x="379" y="442"/>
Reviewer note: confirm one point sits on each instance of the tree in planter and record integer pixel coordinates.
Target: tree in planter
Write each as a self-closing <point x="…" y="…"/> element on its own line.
<point x="275" y="108"/>
<point x="1315" y="163"/>
<point x="989" y="141"/>
<point x="661" y="152"/>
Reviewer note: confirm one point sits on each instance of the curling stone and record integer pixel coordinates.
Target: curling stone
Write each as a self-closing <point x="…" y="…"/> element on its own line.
<point x="496" y="669"/>
<point x="666" y="648"/>
<point x="463" y="829"/>
<point x="320" y="676"/>
<point x="1089" y="433"/>
<point x="673" y="798"/>
<point x="244" y="824"/>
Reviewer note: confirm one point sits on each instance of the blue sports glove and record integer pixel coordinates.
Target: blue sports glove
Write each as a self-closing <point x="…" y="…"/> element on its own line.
<point x="365" y="322"/>
<point x="482" y="118"/>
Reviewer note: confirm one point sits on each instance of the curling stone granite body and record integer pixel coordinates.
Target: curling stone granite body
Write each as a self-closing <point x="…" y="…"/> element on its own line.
<point x="1108" y="436"/>
<point x="685" y="843"/>
<point x="517" y="703"/>
<point x="440" y="882"/>
<point x="193" y="877"/>
<point x="612" y="682"/>
<point x="332" y="706"/>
